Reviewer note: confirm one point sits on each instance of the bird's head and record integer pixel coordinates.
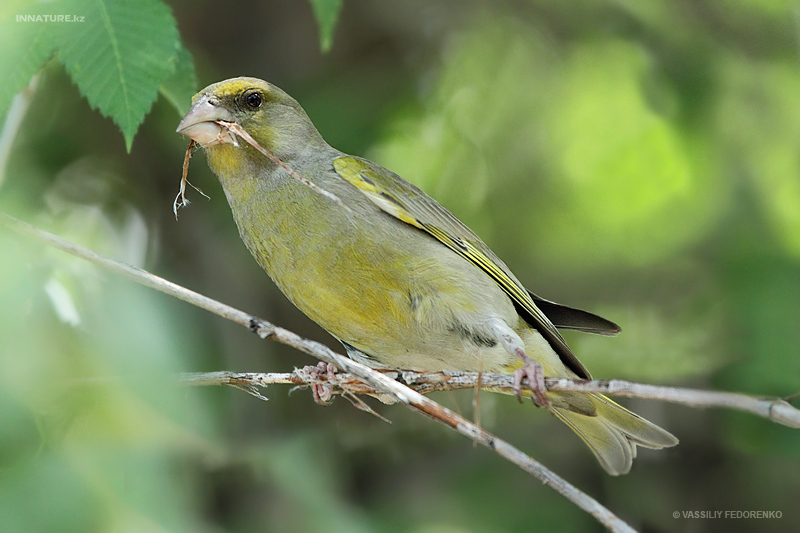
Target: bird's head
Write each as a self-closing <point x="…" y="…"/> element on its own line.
<point x="270" y="116"/>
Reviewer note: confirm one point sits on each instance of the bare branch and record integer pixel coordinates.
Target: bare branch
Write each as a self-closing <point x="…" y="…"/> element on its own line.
<point x="774" y="409"/>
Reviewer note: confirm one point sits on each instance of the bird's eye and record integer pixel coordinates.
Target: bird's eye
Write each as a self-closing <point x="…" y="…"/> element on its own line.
<point x="253" y="100"/>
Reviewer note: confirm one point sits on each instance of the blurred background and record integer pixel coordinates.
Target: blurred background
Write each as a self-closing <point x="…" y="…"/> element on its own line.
<point x="638" y="159"/>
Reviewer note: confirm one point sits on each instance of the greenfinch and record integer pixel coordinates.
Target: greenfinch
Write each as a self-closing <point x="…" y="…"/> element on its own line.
<point x="389" y="272"/>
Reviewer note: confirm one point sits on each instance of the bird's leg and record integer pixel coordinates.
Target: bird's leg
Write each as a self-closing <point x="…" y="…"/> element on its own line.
<point x="532" y="370"/>
<point x="535" y="374"/>
<point x="322" y="392"/>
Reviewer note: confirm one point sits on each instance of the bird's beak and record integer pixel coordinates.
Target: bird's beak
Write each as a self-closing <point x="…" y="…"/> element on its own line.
<point x="200" y="122"/>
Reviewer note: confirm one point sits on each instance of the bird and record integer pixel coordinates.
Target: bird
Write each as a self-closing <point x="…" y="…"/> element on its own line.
<point x="387" y="270"/>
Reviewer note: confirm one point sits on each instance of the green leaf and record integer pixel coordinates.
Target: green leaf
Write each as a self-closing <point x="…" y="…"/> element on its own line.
<point x="326" y="12"/>
<point x="179" y="88"/>
<point x="119" y="55"/>
<point x="25" y="45"/>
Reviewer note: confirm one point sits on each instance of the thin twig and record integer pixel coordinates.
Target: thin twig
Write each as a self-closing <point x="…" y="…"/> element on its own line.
<point x="382" y="384"/>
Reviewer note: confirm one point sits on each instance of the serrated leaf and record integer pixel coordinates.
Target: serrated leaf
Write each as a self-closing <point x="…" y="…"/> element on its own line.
<point x="179" y="87"/>
<point x="327" y="13"/>
<point x="25" y="46"/>
<point x="119" y="55"/>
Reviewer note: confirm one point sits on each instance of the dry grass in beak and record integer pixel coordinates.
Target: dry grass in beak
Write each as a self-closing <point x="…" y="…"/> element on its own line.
<point x="180" y="200"/>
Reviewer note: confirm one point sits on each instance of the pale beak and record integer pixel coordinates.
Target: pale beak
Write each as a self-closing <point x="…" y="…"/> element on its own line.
<point x="199" y="123"/>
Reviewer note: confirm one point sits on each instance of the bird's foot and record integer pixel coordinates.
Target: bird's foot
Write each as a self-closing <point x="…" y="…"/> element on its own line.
<point x="535" y="374"/>
<point x="322" y="372"/>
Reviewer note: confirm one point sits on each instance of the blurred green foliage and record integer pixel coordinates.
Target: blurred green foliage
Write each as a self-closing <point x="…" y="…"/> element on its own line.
<point x="637" y="159"/>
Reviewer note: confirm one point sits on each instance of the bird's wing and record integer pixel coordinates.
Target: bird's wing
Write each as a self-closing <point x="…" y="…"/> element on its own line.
<point x="406" y="202"/>
<point x="564" y="317"/>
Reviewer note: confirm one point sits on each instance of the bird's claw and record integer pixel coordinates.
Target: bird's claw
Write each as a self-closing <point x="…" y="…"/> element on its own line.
<point x="535" y="374"/>
<point x="322" y="392"/>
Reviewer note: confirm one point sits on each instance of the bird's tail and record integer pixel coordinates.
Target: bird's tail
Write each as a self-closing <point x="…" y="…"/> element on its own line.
<point x="611" y="431"/>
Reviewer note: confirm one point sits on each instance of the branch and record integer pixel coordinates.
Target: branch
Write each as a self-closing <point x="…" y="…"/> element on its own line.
<point x="774" y="409"/>
<point x="379" y="382"/>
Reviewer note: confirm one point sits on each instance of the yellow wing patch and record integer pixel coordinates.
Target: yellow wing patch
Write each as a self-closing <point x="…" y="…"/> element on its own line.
<point x="358" y="177"/>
